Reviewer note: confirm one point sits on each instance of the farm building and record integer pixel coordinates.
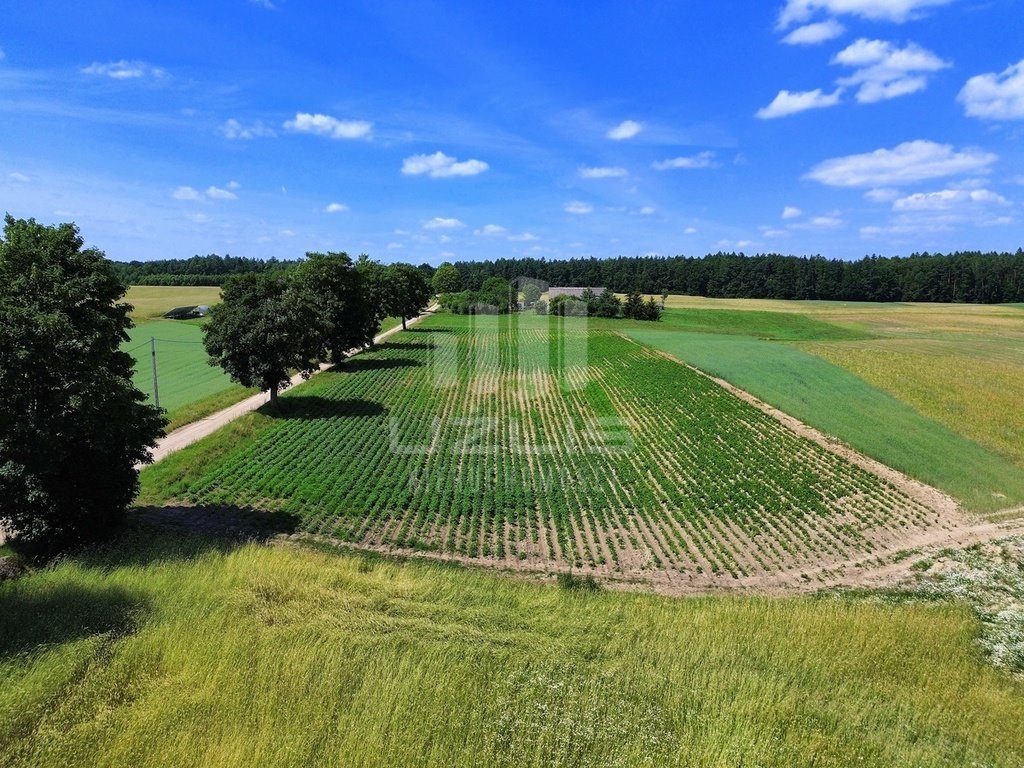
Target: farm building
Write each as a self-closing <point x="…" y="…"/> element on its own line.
<point x="188" y="313"/>
<point x="574" y="293"/>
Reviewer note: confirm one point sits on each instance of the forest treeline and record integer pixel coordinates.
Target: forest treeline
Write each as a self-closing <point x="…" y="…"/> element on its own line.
<point x="967" y="277"/>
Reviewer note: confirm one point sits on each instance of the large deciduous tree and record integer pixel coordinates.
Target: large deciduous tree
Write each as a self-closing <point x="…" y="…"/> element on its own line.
<point x="262" y="328"/>
<point x="447" y="279"/>
<point x="72" y="424"/>
<point x="406" y="290"/>
<point x="337" y="292"/>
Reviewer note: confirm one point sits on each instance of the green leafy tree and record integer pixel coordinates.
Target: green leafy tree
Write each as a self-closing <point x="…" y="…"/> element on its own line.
<point x="496" y="292"/>
<point x="447" y="279"/>
<point x="531" y="294"/>
<point x="334" y="290"/>
<point x="72" y="424"/>
<point x="406" y="291"/>
<point x="262" y="328"/>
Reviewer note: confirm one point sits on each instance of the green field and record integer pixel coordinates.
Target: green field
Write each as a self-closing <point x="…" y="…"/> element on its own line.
<point x="152" y="301"/>
<point x="937" y="421"/>
<point x="465" y="437"/>
<point x="189" y="387"/>
<point x="180" y="652"/>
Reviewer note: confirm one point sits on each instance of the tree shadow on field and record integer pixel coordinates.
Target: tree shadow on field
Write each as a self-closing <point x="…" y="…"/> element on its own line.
<point x="417" y="329"/>
<point x="220" y="527"/>
<point x="41" y="613"/>
<point x="357" y="364"/>
<point x="300" y="407"/>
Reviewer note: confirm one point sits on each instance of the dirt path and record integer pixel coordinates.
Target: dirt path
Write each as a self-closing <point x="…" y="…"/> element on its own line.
<point x="190" y="433"/>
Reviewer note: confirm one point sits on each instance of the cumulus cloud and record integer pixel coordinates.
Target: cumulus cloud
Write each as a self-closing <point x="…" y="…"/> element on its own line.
<point x="886" y="71"/>
<point x="648" y="210"/>
<point x="792" y="102"/>
<point x="18" y="178"/>
<point x="124" y="70"/>
<point x="909" y="162"/>
<point x="948" y="199"/>
<point x="703" y="160"/>
<point x="789" y="213"/>
<point x="490" y="230"/>
<point x="439" y="222"/>
<point x="627" y="129"/>
<point x="603" y="173"/>
<point x="995" y="96"/>
<point x="235" y="130"/>
<point x="216" y="193"/>
<point x="524" y="237"/>
<point x="440" y="166"/>
<point x="336" y="208"/>
<point x="815" y="34"/>
<point x="578" y="207"/>
<point x="881" y="195"/>
<point x="899" y="11"/>
<point x="690" y="231"/>
<point x="187" y="193"/>
<point x="331" y="127"/>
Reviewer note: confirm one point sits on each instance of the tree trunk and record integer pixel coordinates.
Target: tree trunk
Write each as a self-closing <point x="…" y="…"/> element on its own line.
<point x="273" y="395"/>
<point x="403" y="323"/>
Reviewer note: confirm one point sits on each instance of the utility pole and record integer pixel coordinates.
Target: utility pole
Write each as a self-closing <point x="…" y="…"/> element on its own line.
<point x="156" y="389"/>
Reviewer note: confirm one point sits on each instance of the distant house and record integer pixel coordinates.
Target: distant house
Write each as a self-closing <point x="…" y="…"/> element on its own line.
<point x="575" y="293"/>
<point x="188" y="313"/>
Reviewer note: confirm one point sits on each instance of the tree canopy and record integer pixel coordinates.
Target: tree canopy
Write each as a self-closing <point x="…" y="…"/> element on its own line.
<point x="72" y="424"/>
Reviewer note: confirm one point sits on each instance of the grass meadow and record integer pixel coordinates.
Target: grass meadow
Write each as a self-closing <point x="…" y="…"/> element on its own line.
<point x="191" y="651"/>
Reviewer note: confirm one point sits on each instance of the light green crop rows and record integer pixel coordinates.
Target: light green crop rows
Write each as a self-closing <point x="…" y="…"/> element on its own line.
<point x="493" y="438"/>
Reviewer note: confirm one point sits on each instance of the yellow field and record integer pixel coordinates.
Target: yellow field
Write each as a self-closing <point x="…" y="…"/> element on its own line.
<point x="152" y="301"/>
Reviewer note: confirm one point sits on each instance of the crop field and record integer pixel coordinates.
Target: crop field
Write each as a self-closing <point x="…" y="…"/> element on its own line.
<point x="926" y="389"/>
<point x="489" y="439"/>
<point x="152" y="301"/>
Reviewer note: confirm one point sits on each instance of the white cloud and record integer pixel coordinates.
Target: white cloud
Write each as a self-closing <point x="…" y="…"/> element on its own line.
<point x="186" y="193"/>
<point x="440" y="166"/>
<point x="789" y="212"/>
<point x="234" y="130"/>
<point x="441" y="223"/>
<point x="2" y="54"/>
<point x="336" y="208"/>
<point x="995" y="97"/>
<point x="825" y="222"/>
<point x="19" y="178"/>
<point x="948" y="199"/>
<point x="490" y="229"/>
<point x="216" y="193"/>
<point x="124" y="70"/>
<point x="525" y="237"/>
<point x="578" y="207"/>
<point x="627" y="129"/>
<point x="394" y="246"/>
<point x="331" y="127"/>
<point x="690" y="231"/>
<point x="792" y="102"/>
<point x="885" y="71"/>
<point x="197" y="218"/>
<point x="703" y="160"/>
<point x="881" y="195"/>
<point x="264" y="4"/>
<point x="899" y="11"/>
<point x="774" y="233"/>
<point x="603" y="173"/>
<point x="815" y="34"/>
<point x="648" y="210"/>
<point x="909" y="162"/>
<point x="233" y="185"/>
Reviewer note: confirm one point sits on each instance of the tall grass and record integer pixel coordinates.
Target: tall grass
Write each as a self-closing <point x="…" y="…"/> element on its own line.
<point x="195" y="653"/>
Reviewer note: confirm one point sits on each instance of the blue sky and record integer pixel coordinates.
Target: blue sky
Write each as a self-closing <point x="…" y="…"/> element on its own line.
<point x="422" y="131"/>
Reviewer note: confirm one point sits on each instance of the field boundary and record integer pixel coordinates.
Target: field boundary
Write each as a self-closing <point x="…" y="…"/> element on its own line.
<point x="197" y="430"/>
